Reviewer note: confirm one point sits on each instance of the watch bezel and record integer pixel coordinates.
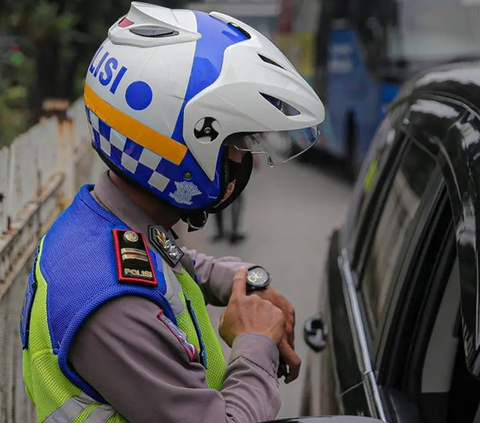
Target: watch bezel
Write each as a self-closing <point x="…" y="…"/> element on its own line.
<point x="251" y="287"/>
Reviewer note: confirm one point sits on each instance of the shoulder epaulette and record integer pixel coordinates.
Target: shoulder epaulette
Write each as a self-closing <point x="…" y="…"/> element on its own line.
<point x="134" y="264"/>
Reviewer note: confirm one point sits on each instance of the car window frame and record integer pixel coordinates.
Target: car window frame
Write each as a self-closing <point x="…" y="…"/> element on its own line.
<point x="411" y="128"/>
<point x="359" y="225"/>
<point x="398" y="399"/>
<point x="398" y="374"/>
<point x="427" y="220"/>
<point x="428" y="198"/>
<point x="413" y="238"/>
<point x="463" y="166"/>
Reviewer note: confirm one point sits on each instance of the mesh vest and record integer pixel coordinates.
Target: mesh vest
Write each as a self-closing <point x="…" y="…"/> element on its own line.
<point x="73" y="274"/>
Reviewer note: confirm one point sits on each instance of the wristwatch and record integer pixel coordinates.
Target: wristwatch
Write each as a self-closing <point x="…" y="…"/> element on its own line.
<point x="257" y="279"/>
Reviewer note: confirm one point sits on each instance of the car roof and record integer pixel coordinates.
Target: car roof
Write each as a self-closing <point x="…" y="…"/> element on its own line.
<point x="459" y="80"/>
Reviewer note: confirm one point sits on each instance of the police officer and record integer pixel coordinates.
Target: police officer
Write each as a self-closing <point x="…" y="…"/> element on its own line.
<point x="114" y="325"/>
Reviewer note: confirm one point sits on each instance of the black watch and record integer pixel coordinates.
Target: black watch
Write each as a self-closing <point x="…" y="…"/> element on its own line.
<point x="257" y="279"/>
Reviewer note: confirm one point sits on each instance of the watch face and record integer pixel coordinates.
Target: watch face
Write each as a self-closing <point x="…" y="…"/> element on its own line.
<point x="258" y="277"/>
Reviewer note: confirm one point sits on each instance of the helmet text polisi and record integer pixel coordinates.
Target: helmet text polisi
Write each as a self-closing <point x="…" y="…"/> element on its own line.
<point x="104" y="68"/>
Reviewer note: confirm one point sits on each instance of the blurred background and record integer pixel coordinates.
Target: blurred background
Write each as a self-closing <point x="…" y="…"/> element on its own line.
<point x="356" y="54"/>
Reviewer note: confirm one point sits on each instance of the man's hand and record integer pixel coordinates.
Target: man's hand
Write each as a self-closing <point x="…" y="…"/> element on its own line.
<point x="286" y="346"/>
<point x="250" y="314"/>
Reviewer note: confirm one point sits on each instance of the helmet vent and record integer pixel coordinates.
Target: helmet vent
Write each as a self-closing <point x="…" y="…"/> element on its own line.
<point x="285" y="108"/>
<point x="240" y="29"/>
<point x="153" y="31"/>
<point x="269" y="61"/>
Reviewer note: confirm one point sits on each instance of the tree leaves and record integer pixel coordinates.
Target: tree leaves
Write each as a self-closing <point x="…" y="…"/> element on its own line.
<point x="61" y="37"/>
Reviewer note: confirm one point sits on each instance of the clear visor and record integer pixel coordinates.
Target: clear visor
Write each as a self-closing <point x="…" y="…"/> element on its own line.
<point x="278" y="146"/>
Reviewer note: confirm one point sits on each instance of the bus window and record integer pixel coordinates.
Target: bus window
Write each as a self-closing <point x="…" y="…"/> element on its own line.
<point x="366" y="49"/>
<point x="434" y="30"/>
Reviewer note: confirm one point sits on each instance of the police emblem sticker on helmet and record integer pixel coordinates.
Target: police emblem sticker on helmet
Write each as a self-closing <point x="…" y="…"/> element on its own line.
<point x="134" y="264"/>
<point x="184" y="193"/>
<point x="165" y="245"/>
<point x="190" y="349"/>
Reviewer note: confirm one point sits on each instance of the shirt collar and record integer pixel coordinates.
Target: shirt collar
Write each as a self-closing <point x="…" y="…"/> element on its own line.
<point x="111" y="197"/>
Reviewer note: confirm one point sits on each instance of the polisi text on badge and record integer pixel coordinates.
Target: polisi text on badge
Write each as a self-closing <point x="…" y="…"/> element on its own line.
<point x="138" y="273"/>
<point x="104" y="68"/>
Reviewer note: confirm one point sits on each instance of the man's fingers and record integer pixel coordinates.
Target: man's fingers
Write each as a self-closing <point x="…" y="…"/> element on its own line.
<point x="291" y="359"/>
<point x="239" y="285"/>
<point x="294" y="371"/>
<point x="290" y="333"/>
<point x="289" y="338"/>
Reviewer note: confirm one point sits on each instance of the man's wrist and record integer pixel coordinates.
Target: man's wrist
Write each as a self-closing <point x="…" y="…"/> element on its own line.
<point x="257" y="348"/>
<point x="221" y="278"/>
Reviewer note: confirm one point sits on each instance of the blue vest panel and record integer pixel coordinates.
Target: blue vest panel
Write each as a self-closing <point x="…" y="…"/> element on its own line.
<point x="79" y="264"/>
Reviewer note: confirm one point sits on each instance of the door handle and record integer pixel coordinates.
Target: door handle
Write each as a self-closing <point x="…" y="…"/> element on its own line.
<point x="315" y="332"/>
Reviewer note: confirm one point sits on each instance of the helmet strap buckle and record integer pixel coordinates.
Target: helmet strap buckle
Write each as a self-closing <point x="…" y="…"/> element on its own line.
<point x="197" y="221"/>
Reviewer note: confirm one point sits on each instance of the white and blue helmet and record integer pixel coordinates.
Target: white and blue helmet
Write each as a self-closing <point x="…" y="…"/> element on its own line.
<point x="169" y="89"/>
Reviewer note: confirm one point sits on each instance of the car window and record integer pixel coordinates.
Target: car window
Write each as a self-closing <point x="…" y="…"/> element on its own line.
<point x="420" y="341"/>
<point x="431" y="366"/>
<point x="377" y="162"/>
<point x="450" y="393"/>
<point x="401" y="204"/>
<point x="443" y="340"/>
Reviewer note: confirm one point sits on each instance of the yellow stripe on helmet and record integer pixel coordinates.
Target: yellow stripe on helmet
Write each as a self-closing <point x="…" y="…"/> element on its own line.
<point x="138" y="132"/>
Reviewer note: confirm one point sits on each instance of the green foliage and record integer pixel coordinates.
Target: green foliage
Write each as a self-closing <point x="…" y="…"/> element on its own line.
<point x="13" y="118"/>
<point x="58" y="39"/>
<point x="44" y="21"/>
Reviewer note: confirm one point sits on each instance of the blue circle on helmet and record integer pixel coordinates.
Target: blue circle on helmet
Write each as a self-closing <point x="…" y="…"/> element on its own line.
<point x="139" y="95"/>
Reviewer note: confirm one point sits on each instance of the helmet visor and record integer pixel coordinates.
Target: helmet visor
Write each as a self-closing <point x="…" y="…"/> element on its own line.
<point x="278" y="146"/>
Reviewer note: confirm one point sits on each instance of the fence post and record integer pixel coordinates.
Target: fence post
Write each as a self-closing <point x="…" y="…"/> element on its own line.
<point x="3" y="189"/>
<point x="66" y="145"/>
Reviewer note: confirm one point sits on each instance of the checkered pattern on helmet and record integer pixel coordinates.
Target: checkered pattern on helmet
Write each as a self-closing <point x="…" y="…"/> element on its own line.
<point x="133" y="159"/>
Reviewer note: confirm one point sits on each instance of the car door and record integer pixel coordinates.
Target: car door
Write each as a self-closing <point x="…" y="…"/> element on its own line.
<point x="348" y="378"/>
<point x="378" y="252"/>
<point x="334" y="379"/>
<point x="408" y="208"/>
<point x="422" y="355"/>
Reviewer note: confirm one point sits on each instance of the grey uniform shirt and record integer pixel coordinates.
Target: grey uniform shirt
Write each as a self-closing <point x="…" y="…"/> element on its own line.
<point x="140" y="367"/>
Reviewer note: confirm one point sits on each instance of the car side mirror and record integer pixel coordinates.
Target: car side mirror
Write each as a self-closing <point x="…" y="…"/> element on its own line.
<point x="328" y="419"/>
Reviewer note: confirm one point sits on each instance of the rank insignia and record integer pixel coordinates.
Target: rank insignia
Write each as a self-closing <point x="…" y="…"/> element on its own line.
<point x="165" y="245"/>
<point x="134" y="264"/>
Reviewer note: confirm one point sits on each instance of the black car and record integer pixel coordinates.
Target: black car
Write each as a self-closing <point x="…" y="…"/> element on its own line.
<point x="327" y="419"/>
<point x="399" y="304"/>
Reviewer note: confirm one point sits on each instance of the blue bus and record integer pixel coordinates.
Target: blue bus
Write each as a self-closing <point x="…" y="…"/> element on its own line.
<point x="366" y="49"/>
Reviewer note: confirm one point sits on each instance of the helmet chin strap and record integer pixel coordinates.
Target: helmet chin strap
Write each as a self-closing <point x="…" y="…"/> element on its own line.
<point x="235" y="180"/>
<point x="196" y="221"/>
